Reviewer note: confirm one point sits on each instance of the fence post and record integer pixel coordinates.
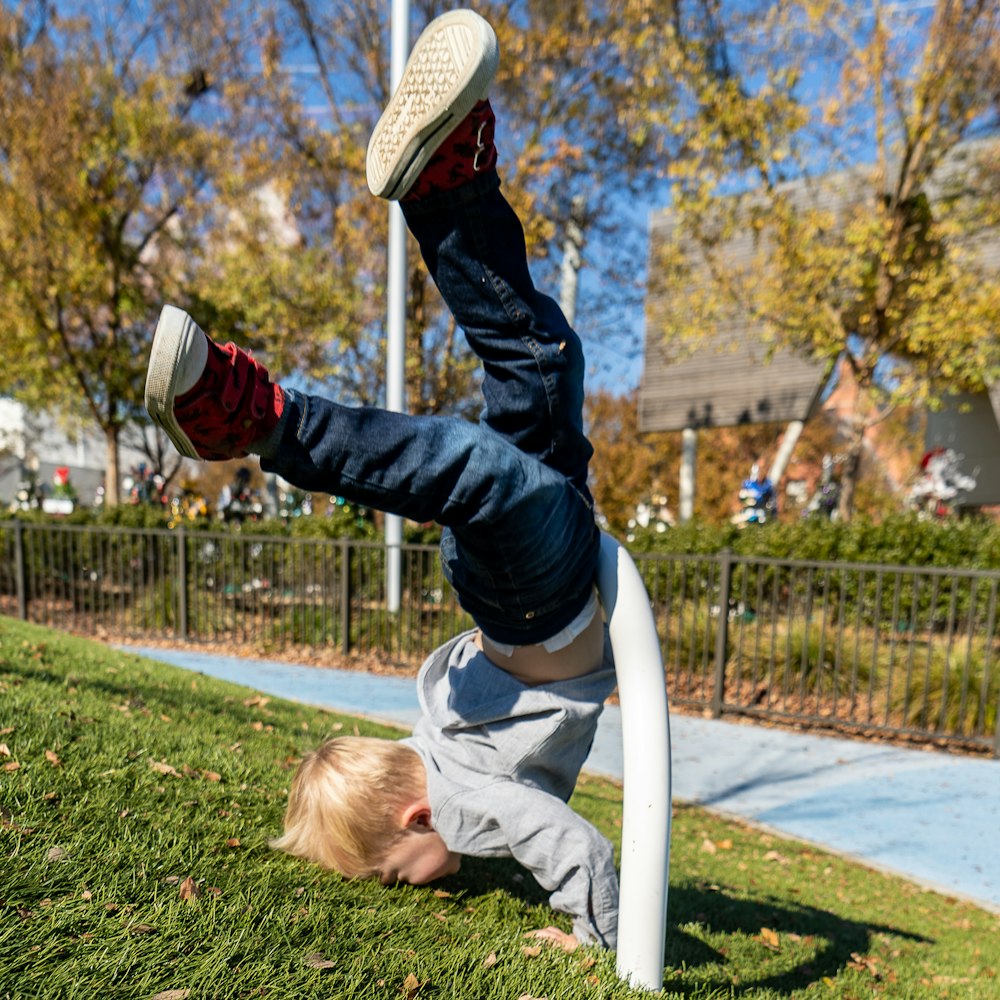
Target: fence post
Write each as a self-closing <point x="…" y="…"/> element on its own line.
<point x="22" y="588"/>
<point x="182" y="591"/>
<point x="345" y="595"/>
<point x="721" y="632"/>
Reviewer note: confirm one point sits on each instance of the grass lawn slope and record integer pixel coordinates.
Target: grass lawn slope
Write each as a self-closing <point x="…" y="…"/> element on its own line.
<point x="137" y="800"/>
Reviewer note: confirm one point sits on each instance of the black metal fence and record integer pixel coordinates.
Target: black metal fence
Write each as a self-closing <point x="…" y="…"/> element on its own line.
<point x="891" y="649"/>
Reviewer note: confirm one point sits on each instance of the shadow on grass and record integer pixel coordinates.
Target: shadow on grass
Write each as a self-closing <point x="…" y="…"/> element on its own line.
<point x="131" y="683"/>
<point x="836" y="939"/>
<point x="481" y="876"/>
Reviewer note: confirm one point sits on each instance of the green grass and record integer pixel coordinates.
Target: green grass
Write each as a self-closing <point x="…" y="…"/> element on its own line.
<point x="132" y="778"/>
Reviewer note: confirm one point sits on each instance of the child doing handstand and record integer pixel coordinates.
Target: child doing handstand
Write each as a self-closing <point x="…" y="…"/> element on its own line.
<point x="509" y="709"/>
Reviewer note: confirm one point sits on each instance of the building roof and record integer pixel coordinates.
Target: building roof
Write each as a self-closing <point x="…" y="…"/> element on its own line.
<point x="728" y="381"/>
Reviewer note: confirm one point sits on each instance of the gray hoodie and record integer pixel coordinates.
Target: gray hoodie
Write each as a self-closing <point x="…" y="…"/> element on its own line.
<point x="502" y="759"/>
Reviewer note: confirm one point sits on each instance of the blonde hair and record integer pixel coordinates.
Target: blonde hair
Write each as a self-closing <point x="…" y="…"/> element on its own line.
<point x="346" y="800"/>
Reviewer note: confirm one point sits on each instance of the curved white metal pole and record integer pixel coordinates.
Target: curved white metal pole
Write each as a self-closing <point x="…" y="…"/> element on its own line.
<point x="642" y="917"/>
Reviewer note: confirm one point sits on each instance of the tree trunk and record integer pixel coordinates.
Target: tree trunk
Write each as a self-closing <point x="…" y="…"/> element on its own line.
<point x="111" y="477"/>
<point x="850" y="471"/>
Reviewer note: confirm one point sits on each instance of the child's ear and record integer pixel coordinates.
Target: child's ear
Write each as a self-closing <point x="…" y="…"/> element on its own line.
<point x="417" y="814"/>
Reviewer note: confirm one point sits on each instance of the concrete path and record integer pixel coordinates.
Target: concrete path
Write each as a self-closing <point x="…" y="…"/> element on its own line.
<point x="929" y="816"/>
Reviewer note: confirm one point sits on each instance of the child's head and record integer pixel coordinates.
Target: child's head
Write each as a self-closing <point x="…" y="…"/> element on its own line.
<point x="348" y="803"/>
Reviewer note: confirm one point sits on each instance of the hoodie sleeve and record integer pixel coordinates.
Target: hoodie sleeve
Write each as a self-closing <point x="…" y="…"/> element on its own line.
<point x="566" y="854"/>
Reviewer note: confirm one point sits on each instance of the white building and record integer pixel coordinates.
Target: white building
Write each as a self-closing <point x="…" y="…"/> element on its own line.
<point x="41" y="443"/>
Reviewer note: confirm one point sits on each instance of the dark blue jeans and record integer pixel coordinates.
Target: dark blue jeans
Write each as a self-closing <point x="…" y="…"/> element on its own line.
<point x="520" y="543"/>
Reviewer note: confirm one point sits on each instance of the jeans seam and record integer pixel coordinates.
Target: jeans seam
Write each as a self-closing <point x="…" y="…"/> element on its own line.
<point x="507" y="298"/>
<point x="304" y="411"/>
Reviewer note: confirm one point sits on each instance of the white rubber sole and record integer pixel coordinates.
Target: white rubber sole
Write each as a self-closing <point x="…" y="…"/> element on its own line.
<point x="176" y="361"/>
<point x="449" y="70"/>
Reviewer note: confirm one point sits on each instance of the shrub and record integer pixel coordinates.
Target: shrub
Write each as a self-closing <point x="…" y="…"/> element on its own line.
<point x="904" y="540"/>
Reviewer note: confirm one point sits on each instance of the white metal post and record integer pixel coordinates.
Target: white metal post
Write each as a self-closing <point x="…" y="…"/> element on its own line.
<point x="689" y="452"/>
<point x="781" y="459"/>
<point x="395" y="348"/>
<point x="646" y="809"/>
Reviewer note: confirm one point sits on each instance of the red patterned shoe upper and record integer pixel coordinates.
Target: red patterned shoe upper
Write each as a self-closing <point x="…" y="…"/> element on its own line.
<point x="231" y="406"/>
<point x="467" y="151"/>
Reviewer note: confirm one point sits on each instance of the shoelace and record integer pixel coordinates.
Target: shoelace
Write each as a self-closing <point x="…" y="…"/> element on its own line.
<point x="484" y="142"/>
<point x="241" y="370"/>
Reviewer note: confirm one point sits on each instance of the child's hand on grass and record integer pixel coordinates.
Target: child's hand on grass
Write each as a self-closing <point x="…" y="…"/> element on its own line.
<point x="556" y="937"/>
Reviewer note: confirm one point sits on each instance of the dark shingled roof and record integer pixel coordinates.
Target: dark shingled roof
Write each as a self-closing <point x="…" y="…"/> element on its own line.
<point x="729" y="381"/>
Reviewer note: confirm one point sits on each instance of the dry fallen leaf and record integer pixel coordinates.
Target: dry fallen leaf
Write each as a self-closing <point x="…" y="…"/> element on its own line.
<point x="189" y="889"/>
<point x="57" y="853"/>
<point x="708" y="846"/>
<point x="6" y="730"/>
<point x="233" y="842"/>
<point x="162" y="767"/>
<point x="172" y="995"/>
<point x="53" y="758"/>
<point x="317" y="961"/>
<point x="442" y="893"/>
<point x="12" y="766"/>
<point x="770" y="938"/>
<point x="490" y="960"/>
<point x="531" y="951"/>
<point x="863" y="963"/>
<point x="211" y="775"/>
<point x="4" y="750"/>
<point x="410" y="986"/>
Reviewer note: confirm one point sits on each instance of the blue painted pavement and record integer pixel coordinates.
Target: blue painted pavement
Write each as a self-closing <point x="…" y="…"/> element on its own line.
<point x="930" y="816"/>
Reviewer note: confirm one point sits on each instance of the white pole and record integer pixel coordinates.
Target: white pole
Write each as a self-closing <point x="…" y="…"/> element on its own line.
<point x="689" y="452"/>
<point x="788" y="442"/>
<point x="395" y="364"/>
<point x="642" y="915"/>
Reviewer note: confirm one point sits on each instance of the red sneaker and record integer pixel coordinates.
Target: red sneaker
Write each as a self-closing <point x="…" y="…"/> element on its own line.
<point x="469" y="150"/>
<point x="448" y="73"/>
<point x="213" y="402"/>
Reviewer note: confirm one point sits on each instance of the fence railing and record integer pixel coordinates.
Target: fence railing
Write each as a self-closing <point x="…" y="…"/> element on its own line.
<point x="899" y="650"/>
